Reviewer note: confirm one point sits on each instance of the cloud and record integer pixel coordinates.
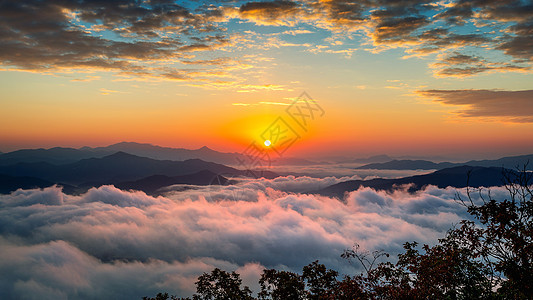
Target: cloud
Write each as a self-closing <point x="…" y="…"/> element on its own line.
<point x="461" y="65"/>
<point x="110" y="243"/>
<point x="345" y="170"/>
<point x="416" y="26"/>
<point x="67" y="35"/>
<point x="506" y="106"/>
<point x="339" y="13"/>
<point x="521" y="44"/>
<point x="162" y="40"/>
<point x="515" y="16"/>
<point x="58" y="269"/>
<point x="270" y="12"/>
<point x="397" y="30"/>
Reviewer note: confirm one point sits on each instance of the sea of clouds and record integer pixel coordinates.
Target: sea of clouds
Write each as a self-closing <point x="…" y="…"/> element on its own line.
<point x="110" y="243"/>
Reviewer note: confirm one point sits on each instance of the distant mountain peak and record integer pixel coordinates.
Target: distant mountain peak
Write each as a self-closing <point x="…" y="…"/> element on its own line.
<point x="121" y="154"/>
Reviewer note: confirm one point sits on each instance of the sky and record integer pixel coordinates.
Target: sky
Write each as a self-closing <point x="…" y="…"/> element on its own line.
<point x="402" y="77"/>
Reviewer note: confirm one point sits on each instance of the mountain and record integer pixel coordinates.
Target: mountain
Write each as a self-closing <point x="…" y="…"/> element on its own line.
<point x="9" y="184"/>
<point x="57" y="156"/>
<point x="455" y="177"/>
<point x="510" y="162"/>
<point x="113" y="168"/>
<point x="166" y="153"/>
<point x="118" y="167"/>
<point x="152" y="184"/>
<point x="373" y="159"/>
<point x="407" y="164"/>
<point x="179" y="154"/>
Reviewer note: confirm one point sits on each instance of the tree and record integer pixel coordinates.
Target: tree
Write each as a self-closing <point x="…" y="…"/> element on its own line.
<point x="164" y="296"/>
<point x="505" y="238"/>
<point x="280" y="285"/>
<point x="379" y="280"/>
<point x="220" y="285"/>
<point x="444" y="271"/>
<point x="321" y="282"/>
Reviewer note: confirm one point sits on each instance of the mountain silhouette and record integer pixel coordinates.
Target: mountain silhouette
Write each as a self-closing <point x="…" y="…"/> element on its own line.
<point x="113" y="168"/>
<point x="457" y="177"/>
<point x="57" y="155"/>
<point x="407" y="164"/>
<point x="152" y="184"/>
<point x="9" y="184"/>
<point x="167" y="153"/>
<point x="506" y="162"/>
<point x="373" y="159"/>
<point x="121" y="167"/>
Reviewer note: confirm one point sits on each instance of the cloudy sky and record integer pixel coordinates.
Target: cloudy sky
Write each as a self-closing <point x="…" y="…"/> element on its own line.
<point x="447" y="77"/>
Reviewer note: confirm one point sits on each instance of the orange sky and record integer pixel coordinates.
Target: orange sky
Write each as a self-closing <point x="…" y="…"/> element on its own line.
<point x="391" y="92"/>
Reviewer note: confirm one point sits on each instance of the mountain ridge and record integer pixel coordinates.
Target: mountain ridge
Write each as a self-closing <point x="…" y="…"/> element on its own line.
<point x="65" y="155"/>
<point x="116" y="167"/>
<point x="458" y="177"/>
<point x="407" y="164"/>
<point x="153" y="183"/>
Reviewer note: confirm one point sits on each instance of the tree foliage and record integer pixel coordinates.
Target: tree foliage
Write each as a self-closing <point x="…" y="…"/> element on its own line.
<point x="220" y="285"/>
<point x="321" y="282"/>
<point x="278" y="285"/>
<point x="504" y="241"/>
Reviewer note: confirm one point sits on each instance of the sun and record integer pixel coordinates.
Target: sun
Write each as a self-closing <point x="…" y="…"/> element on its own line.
<point x="267" y="143"/>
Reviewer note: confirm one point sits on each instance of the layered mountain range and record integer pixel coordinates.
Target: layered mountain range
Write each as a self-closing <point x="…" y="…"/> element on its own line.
<point x="150" y="168"/>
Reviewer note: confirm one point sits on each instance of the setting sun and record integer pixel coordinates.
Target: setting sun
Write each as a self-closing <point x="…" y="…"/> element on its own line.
<point x="267" y="143"/>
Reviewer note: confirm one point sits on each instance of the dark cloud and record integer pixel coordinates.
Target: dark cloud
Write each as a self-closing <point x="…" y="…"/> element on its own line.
<point x="110" y="243"/>
<point x="516" y="15"/>
<point x="521" y="44"/>
<point x="458" y="40"/>
<point x="270" y="11"/>
<point x="461" y="65"/>
<point x="458" y="58"/>
<point x="136" y="37"/>
<point x="269" y="7"/>
<point x="507" y="106"/>
<point x="415" y="25"/>
<point x="342" y="12"/>
<point x="55" y="35"/>
<point x="398" y="29"/>
<point x="461" y="11"/>
<point x="470" y="70"/>
<point x="510" y="10"/>
<point x="439" y="39"/>
<point x="457" y="14"/>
